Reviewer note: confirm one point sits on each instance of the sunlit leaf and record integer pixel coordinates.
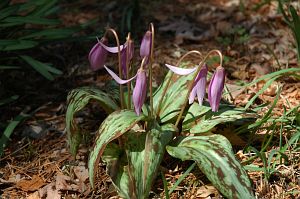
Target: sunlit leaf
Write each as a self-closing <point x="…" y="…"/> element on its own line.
<point x="216" y="160"/>
<point x="200" y="119"/>
<point x="174" y="97"/>
<point x="115" y="125"/>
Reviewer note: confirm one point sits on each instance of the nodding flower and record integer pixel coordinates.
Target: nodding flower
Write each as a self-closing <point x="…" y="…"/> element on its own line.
<point x="100" y="50"/>
<point x="215" y="88"/>
<point x="98" y="54"/>
<point x="146" y="46"/>
<point x="199" y="85"/>
<point x="140" y="90"/>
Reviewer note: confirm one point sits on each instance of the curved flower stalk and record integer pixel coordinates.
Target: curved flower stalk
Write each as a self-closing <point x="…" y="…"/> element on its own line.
<point x="140" y="89"/>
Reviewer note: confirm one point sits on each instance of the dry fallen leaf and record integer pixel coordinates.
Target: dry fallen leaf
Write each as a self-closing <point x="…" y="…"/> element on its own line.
<point x="31" y="185"/>
<point x="81" y="173"/>
<point x="34" y="195"/>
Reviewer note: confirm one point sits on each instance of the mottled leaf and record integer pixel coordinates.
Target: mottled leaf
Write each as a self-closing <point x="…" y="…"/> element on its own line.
<point x="174" y="97"/>
<point x="200" y="119"/>
<point x="216" y="160"/>
<point x="145" y="152"/>
<point x="115" y="125"/>
<point x="77" y="100"/>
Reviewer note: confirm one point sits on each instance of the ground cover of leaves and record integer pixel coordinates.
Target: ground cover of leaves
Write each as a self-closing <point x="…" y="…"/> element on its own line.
<point x="37" y="163"/>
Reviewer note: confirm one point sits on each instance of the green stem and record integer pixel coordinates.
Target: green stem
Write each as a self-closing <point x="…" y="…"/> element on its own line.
<point x="191" y="84"/>
<point x="170" y="78"/>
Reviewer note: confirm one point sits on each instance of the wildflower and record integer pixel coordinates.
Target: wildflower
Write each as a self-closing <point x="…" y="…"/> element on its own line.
<point x="98" y="53"/>
<point x="215" y="88"/>
<point x="140" y="89"/>
<point x="145" y="48"/>
<point x="199" y="84"/>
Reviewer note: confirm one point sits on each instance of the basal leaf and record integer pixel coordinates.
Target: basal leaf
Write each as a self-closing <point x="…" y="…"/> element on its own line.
<point x="145" y="151"/>
<point x="174" y="97"/>
<point x="77" y="100"/>
<point x="216" y="160"/>
<point x="115" y="125"/>
<point x="200" y="119"/>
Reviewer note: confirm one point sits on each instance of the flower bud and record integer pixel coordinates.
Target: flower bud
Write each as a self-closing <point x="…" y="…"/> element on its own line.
<point x="139" y="91"/>
<point x="215" y="88"/>
<point x="145" y="48"/>
<point x="97" y="55"/>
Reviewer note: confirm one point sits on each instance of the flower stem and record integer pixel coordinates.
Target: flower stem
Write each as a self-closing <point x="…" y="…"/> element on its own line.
<point x="170" y="78"/>
<point x="195" y="75"/>
<point x="127" y="72"/>
<point x="120" y="64"/>
<point x="150" y="70"/>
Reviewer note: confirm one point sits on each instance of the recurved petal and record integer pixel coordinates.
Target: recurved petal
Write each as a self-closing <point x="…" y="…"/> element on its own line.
<point x="181" y="71"/>
<point x="215" y="88"/>
<point x="113" y="49"/>
<point x="139" y="91"/>
<point x="117" y="78"/>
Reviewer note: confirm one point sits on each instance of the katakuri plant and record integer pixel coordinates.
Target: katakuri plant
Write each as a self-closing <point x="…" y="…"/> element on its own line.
<point x="132" y="143"/>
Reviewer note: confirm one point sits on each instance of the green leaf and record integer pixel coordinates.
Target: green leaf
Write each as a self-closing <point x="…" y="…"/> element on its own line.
<point x="216" y="160"/>
<point x="20" y="20"/>
<point x="8" y="100"/>
<point x="9" y="130"/>
<point x="8" y="11"/>
<point x="200" y="119"/>
<point x="57" y="33"/>
<point x="40" y="67"/>
<point x="174" y="98"/>
<point x="4" y="67"/>
<point x="115" y="125"/>
<point x="7" y="45"/>
<point x="144" y="153"/>
<point x="77" y="100"/>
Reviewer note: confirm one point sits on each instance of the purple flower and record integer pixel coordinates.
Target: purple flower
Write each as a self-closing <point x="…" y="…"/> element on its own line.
<point x="98" y="53"/>
<point x="199" y="84"/>
<point x="215" y="88"/>
<point x="130" y="46"/>
<point x="145" y="48"/>
<point x="140" y="89"/>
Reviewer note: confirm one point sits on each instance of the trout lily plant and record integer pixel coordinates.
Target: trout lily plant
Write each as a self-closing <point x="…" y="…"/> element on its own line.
<point x="144" y="123"/>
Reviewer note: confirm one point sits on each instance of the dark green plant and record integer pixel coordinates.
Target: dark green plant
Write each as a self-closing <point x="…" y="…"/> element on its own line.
<point x="25" y="27"/>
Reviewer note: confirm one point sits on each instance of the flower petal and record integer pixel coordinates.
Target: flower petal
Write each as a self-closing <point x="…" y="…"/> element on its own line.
<point x="146" y="45"/>
<point x="215" y="88"/>
<point x="112" y="49"/>
<point x="181" y="71"/>
<point x="97" y="55"/>
<point x="201" y="84"/>
<point x="117" y="78"/>
<point x="139" y="91"/>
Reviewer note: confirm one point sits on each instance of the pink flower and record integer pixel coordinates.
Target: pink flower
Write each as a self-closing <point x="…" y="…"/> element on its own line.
<point x="145" y="48"/>
<point x="215" y="88"/>
<point x="98" y="53"/>
<point x="199" y="84"/>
